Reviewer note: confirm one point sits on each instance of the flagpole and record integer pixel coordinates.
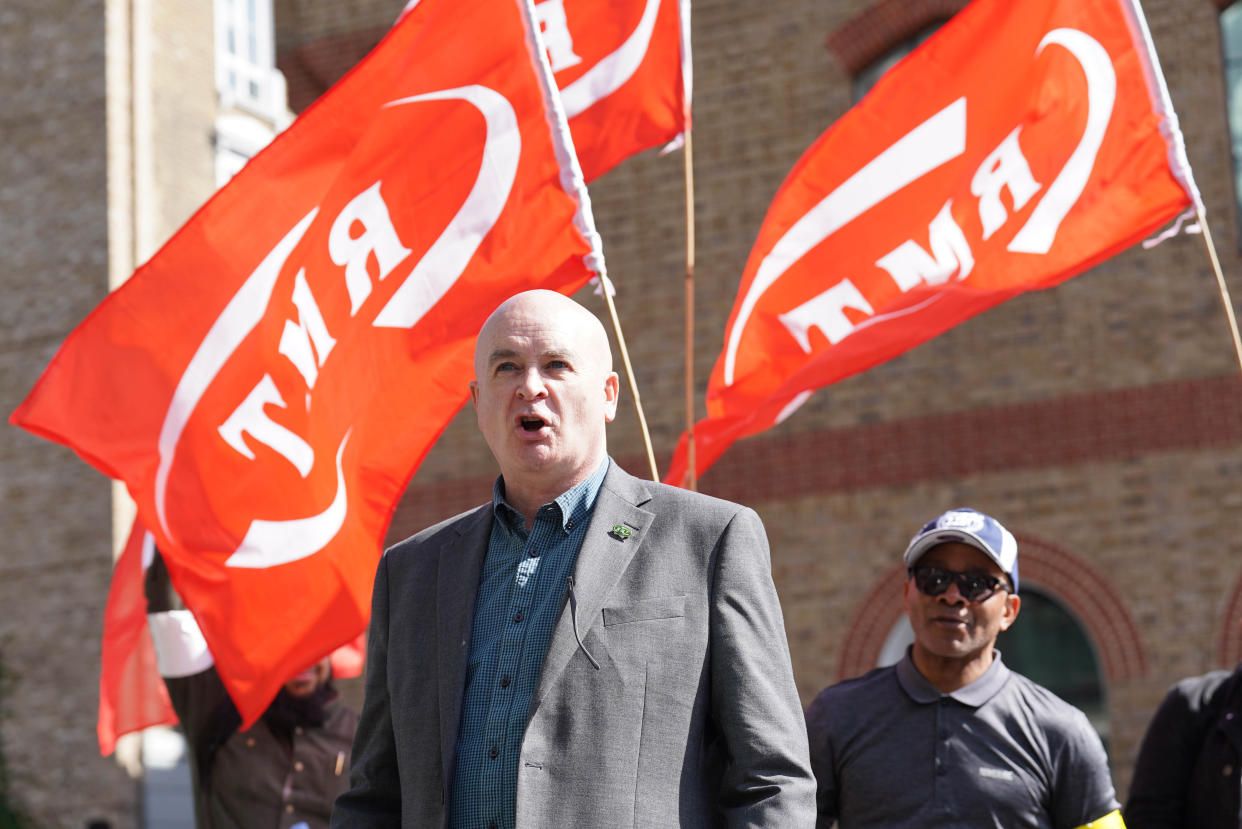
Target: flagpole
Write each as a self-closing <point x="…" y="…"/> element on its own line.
<point x="687" y="72"/>
<point x="575" y="185"/>
<point x="1225" y="298"/>
<point x="692" y="480"/>
<point x="606" y="285"/>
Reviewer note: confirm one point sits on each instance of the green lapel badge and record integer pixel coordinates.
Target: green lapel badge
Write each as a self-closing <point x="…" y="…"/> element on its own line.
<point x="620" y="531"/>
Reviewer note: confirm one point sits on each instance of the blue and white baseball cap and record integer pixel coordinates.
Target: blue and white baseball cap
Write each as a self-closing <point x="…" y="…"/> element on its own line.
<point x="983" y="532"/>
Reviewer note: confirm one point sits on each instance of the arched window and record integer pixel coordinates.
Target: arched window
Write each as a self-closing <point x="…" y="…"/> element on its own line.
<point x="869" y="74"/>
<point x="1046" y="644"/>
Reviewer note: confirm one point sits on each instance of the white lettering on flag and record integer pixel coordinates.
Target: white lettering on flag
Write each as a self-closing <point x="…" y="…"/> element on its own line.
<point x="250" y="418"/>
<point x="910" y="265"/>
<point x="556" y="34"/>
<point x="1004" y="167"/>
<point x="378" y="236"/>
<point x="306" y="343"/>
<point x="939" y="139"/>
<point x="827" y="313"/>
<point x="237" y="320"/>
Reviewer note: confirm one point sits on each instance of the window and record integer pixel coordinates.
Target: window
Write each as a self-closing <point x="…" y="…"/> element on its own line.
<point x="1047" y="645"/>
<point x="1231" y="43"/>
<point x="246" y="75"/>
<point x="251" y="90"/>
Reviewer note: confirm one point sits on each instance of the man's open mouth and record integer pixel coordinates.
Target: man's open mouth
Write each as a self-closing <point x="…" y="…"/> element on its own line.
<point x="532" y="424"/>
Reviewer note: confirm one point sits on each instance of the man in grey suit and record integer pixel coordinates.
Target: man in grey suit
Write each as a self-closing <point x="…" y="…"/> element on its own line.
<point x="587" y="649"/>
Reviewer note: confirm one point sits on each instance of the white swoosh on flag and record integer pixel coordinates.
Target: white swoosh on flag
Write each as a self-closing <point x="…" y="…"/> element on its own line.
<point x="1041" y="226"/>
<point x="448" y="256"/>
<point x="606" y="76"/>
<point x="233" y="325"/>
<point x="932" y="143"/>
<point x="268" y="543"/>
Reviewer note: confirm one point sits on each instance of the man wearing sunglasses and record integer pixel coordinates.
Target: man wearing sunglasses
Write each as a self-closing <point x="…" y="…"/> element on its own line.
<point x="949" y="736"/>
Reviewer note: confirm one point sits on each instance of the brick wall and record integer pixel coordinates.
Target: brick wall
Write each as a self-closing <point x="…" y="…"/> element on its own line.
<point x="55" y="553"/>
<point x="59" y="177"/>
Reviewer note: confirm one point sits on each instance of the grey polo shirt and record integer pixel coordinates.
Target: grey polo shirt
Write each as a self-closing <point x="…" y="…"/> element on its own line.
<point x="889" y="750"/>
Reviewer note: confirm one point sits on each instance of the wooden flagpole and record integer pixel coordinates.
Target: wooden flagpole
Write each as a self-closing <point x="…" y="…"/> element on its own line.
<point x="692" y="480"/>
<point x="1225" y="299"/>
<point x="606" y="286"/>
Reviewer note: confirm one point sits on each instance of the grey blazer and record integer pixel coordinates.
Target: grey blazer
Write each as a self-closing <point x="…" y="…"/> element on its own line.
<point x="692" y="718"/>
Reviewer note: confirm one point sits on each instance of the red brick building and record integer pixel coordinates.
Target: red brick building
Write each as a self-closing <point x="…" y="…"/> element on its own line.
<point x="1101" y="421"/>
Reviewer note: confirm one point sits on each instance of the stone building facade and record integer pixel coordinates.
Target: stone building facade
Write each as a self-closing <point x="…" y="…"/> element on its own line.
<point x="1100" y="420"/>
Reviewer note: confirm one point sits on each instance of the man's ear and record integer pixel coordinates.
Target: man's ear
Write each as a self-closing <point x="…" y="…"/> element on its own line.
<point x="1012" y="604"/>
<point x="474" y="393"/>
<point x="612" y="389"/>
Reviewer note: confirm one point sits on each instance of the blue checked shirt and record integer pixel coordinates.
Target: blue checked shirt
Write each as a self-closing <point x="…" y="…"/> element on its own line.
<point x="521" y="590"/>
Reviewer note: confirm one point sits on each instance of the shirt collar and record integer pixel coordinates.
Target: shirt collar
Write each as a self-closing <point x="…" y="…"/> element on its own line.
<point x="573" y="505"/>
<point x="974" y="695"/>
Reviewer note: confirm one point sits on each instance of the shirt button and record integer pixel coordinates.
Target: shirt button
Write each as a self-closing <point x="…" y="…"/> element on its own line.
<point x="288" y="808"/>
<point x="1226" y="771"/>
<point x="569" y="525"/>
<point x="493" y="753"/>
<point x="298" y="766"/>
<point x="297" y="730"/>
<point x="533" y="554"/>
<point x="504" y="681"/>
<point x="250" y="742"/>
<point x="517" y="617"/>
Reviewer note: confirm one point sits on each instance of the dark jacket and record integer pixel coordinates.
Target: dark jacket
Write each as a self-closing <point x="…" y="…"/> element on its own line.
<point x="259" y="778"/>
<point x="1188" y="772"/>
<point x="285" y="770"/>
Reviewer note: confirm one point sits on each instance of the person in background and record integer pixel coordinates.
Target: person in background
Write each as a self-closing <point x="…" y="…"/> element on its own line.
<point x="949" y="736"/>
<point x="1189" y="769"/>
<point x="284" y="771"/>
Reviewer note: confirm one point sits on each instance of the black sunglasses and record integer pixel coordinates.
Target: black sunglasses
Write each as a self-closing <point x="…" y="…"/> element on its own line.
<point x="974" y="587"/>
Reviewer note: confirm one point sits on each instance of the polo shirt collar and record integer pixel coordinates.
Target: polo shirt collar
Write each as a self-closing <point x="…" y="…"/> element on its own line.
<point x="974" y="695"/>
<point x="574" y="504"/>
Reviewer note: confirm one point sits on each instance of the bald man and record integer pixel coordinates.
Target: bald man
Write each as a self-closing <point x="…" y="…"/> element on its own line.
<point x="585" y="650"/>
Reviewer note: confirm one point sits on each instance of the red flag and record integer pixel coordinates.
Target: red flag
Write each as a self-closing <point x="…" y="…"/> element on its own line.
<point x="623" y="69"/>
<point x="131" y="694"/>
<point x="268" y="382"/>
<point x="619" y="67"/>
<point x="1020" y="145"/>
